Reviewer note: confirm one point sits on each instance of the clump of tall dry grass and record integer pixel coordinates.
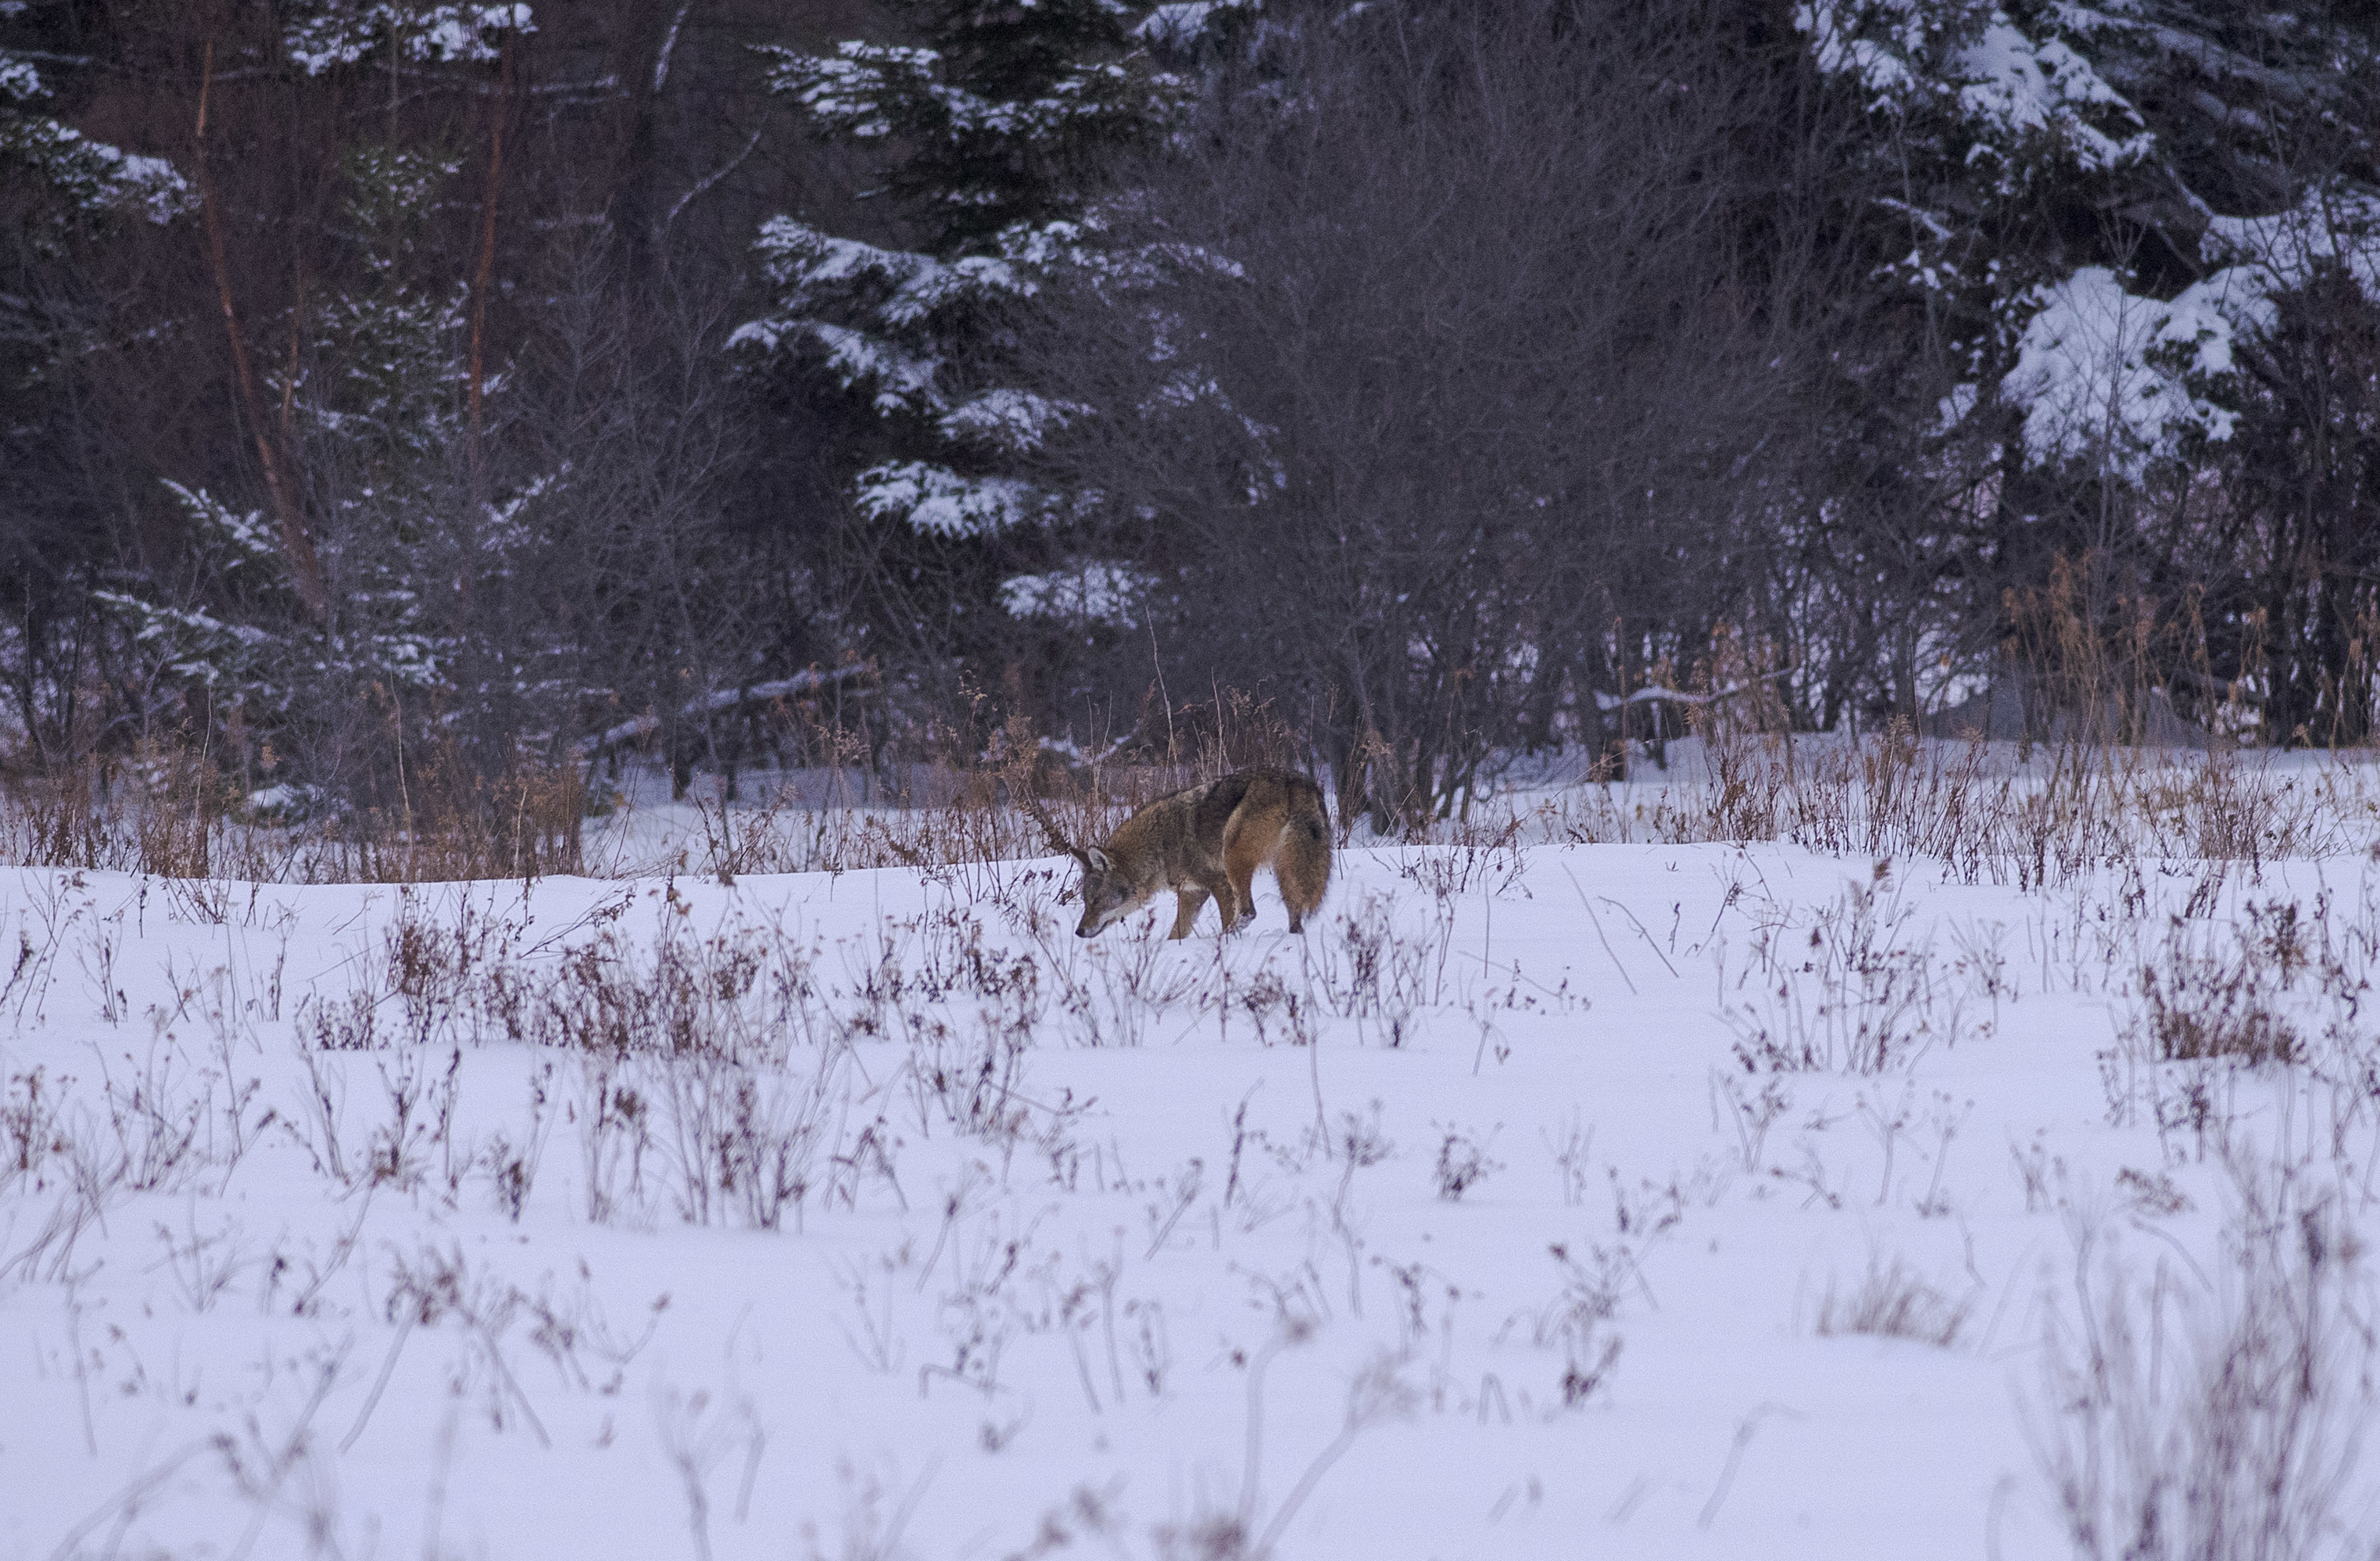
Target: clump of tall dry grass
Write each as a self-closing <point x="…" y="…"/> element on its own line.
<point x="2200" y="1009"/>
<point x="172" y="814"/>
<point x="2220" y="1419"/>
<point x="2105" y="767"/>
<point x="1975" y="807"/>
<point x="1892" y="1303"/>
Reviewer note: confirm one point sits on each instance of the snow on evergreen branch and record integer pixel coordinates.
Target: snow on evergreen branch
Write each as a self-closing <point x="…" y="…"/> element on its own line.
<point x="92" y="175"/>
<point x="1015" y="421"/>
<point x="2333" y="224"/>
<point x="1179" y="24"/>
<point x="193" y="647"/>
<point x="872" y="91"/>
<point x="799" y="256"/>
<point x="818" y="269"/>
<point x="939" y="501"/>
<point x="903" y="380"/>
<point x="2019" y="86"/>
<point x="1094" y="591"/>
<point x="2107" y="374"/>
<point x="229" y="539"/>
<point x="851" y="90"/>
<point x="344" y="33"/>
<point x="2016" y="93"/>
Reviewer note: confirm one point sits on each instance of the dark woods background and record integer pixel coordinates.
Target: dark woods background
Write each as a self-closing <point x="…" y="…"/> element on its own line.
<point x="484" y="394"/>
<point x="456" y="328"/>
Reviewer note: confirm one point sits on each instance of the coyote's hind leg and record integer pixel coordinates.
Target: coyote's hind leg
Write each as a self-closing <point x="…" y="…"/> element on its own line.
<point x="1241" y="856"/>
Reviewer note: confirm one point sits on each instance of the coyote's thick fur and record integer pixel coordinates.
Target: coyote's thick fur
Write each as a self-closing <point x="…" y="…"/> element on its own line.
<point x="1209" y="841"/>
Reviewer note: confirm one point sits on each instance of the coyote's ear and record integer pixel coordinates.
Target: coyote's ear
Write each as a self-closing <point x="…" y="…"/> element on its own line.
<point x="1097" y="860"/>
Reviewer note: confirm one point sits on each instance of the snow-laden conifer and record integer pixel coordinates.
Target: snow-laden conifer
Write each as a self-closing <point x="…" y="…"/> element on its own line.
<point x="91" y="177"/>
<point x="2094" y="206"/>
<point x="997" y="124"/>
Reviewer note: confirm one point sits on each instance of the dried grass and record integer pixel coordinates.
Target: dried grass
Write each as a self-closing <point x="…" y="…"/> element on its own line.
<point x="2216" y="1419"/>
<point x="1893" y="1303"/>
<point x="2035" y="815"/>
<point x="173" y="815"/>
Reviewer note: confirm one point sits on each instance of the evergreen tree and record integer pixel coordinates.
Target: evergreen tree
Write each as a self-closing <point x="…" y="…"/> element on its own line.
<point x="1002" y="117"/>
<point x="376" y="425"/>
<point x="2069" y="185"/>
<point x="2101" y="217"/>
<point x="376" y="413"/>
<point x="65" y="199"/>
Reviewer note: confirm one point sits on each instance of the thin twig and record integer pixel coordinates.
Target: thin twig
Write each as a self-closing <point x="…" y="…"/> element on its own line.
<point x="1597" y="922"/>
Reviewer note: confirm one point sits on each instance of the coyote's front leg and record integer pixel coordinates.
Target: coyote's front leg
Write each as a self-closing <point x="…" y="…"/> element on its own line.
<point x="1188" y="900"/>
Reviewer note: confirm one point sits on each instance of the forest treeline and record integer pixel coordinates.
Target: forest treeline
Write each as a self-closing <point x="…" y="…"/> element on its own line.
<point x="399" y="395"/>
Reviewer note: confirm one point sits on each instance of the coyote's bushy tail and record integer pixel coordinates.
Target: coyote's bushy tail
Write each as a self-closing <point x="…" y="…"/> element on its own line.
<point x="1303" y="867"/>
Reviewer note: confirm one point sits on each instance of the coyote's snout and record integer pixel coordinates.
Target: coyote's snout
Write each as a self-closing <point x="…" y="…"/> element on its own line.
<point x="1209" y="841"/>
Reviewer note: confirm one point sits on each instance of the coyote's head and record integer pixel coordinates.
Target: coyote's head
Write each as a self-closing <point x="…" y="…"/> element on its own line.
<point x="1108" y="894"/>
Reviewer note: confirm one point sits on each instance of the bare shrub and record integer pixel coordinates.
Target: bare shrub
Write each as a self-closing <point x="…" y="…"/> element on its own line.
<point x="972" y="1085"/>
<point x="160" y="811"/>
<point x="1853" y="994"/>
<point x="616" y="1134"/>
<point x="1114" y="990"/>
<point x="348" y="1024"/>
<point x="439" y="957"/>
<point x="2033" y="815"/>
<point x="1272" y="1003"/>
<point x="90" y="1185"/>
<point x="2201" y="1008"/>
<point x="1490" y="859"/>
<point x="428" y="1287"/>
<point x="741" y="1142"/>
<point x="170" y="813"/>
<point x="1891" y="1303"/>
<point x="2152" y="1192"/>
<point x="1751" y="1114"/>
<point x="31" y="1130"/>
<point x="1376" y="970"/>
<point x="156" y="1120"/>
<point x="723" y="1141"/>
<point x="202" y="1267"/>
<point x="421" y="1118"/>
<point x="2240" y="1442"/>
<point x="1462" y="1164"/>
<point x="742" y="994"/>
<point x="59" y="823"/>
<point x="1577" y="1321"/>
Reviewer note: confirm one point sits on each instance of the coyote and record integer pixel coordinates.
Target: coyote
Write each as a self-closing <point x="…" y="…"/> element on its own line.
<point x="1207" y="841"/>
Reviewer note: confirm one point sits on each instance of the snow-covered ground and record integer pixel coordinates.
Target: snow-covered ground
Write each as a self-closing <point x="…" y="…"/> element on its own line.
<point x="1618" y="1200"/>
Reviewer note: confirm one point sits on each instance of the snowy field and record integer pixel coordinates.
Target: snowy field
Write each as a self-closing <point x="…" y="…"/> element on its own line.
<point x="1629" y="1199"/>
